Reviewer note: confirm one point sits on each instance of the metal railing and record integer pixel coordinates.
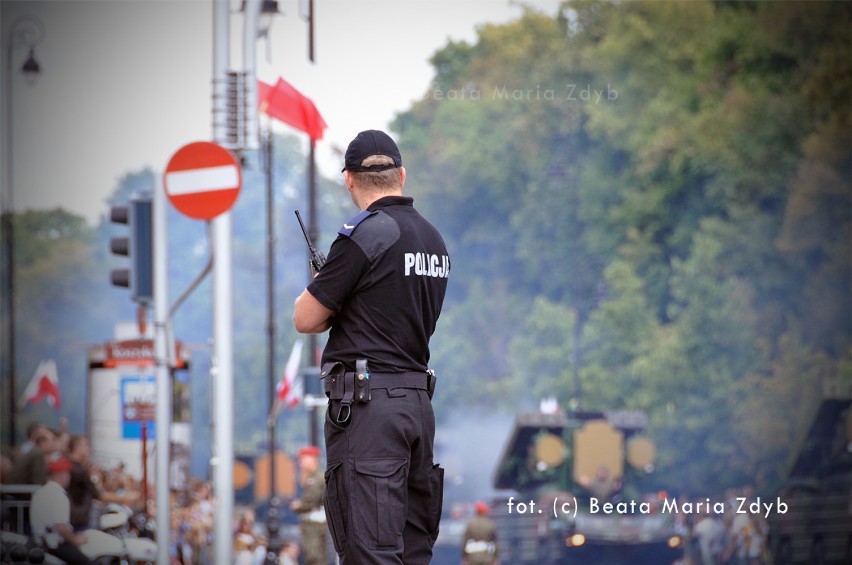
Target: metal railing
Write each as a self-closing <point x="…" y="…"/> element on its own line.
<point x="15" y="508"/>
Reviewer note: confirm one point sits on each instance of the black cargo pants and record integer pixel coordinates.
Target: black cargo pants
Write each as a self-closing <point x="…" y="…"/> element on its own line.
<point x="383" y="493"/>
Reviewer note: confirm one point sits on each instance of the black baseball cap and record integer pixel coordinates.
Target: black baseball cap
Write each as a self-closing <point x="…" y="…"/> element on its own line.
<point x="367" y="143"/>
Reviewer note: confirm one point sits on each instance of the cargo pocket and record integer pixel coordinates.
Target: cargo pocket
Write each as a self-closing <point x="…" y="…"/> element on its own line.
<point x="380" y="501"/>
<point x="334" y="500"/>
<point x="436" y="506"/>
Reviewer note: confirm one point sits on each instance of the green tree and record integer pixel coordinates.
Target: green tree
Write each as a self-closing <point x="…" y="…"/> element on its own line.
<point x="620" y="331"/>
<point x="543" y="353"/>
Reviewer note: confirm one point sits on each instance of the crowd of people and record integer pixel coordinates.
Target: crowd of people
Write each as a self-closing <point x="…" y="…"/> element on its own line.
<point x="251" y="543"/>
<point x="725" y="538"/>
<point x="91" y="485"/>
<point x="92" y="488"/>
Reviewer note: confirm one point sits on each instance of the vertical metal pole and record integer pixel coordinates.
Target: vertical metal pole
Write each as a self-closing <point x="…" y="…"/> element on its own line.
<point x="273" y="547"/>
<point x="252" y="14"/>
<point x="163" y="371"/>
<point x="313" y="230"/>
<point x="270" y="305"/>
<point x="223" y="339"/>
<point x="311" y="32"/>
<point x="144" y="464"/>
<point x="223" y="360"/>
<point x="8" y="238"/>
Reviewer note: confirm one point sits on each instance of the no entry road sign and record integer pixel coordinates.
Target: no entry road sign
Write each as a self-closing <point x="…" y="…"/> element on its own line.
<point x="202" y="180"/>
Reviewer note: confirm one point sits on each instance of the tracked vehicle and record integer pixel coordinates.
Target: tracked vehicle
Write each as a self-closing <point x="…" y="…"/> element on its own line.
<point x="573" y="492"/>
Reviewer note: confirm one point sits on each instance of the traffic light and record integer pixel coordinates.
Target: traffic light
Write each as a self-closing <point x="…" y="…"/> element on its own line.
<point x="139" y="246"/>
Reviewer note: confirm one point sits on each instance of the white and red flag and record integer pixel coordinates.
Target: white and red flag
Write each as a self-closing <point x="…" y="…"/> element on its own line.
<point x="43" y="384"/>
<point x="290" y="390"/>
<point x="286" y="104"/>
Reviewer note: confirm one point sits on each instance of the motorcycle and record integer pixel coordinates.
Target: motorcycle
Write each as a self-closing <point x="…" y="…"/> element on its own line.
<point x="18" y="548"/>
<point x="114" y="544"/>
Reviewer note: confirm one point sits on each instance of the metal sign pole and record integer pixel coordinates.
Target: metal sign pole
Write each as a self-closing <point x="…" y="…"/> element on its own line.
<point x="163" y="367"/>
<point x="223" y="359"/>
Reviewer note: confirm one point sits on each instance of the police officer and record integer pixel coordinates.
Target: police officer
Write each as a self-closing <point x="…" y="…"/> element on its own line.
<point x="479" y="543"/>
<point x="50" y="516"/>
<point x="380" y="293"/>
<point x="312" y="521"/>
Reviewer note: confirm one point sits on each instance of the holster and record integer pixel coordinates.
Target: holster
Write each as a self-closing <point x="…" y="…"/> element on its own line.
<point x="346" y="387"/>
<point x="339" y="385"/>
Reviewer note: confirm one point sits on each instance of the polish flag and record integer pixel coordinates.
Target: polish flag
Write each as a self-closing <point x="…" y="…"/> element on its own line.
<point x="290" y="389"/>
<point x="44" y="384"/>
<point x="286" y="104"/>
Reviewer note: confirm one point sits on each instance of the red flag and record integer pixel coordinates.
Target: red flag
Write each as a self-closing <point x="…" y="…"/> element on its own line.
<point x="286" y="104"/>
<point x="289" y="391"/>
<point x="44" y="384"/>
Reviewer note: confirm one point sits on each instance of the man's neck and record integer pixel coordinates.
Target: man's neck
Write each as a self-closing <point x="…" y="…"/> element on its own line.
<point x="368" y="200"/>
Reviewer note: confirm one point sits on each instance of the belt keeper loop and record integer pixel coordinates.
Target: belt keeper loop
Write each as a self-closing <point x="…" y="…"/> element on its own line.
<point x="348" y="396"/>
<point x="341" y="418"/>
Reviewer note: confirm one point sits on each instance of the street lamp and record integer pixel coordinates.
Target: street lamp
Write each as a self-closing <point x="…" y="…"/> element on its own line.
<point x="268" y="11"/>
<point x="31" y="68"/>
<point x="26" y="31"/>
<point x="265" y="11"/>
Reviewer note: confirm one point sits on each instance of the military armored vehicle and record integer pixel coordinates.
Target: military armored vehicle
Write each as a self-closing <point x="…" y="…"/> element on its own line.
<point x="575" y="492"/>
<point x="817" y="527"/>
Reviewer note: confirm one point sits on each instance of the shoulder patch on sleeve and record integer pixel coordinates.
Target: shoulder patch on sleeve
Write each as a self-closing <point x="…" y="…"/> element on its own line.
<point x="350" y="225"/>
<point x="375" y="236"/>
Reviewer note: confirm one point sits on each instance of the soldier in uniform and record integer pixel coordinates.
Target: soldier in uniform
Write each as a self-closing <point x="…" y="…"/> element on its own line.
<point x="380" y="293"/>
<point x="312" y="522"/>
<point x="479" y="543"/>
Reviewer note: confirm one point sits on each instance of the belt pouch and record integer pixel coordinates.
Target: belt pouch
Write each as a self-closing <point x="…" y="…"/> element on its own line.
<point x="332" y="378"/>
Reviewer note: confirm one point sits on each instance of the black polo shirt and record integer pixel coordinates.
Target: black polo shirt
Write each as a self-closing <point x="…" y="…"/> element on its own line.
<point x="385" y="279"/>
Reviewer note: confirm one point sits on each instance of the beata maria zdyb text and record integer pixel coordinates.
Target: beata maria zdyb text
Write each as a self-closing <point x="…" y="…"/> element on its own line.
<point x="568" y="506"/>
<point x="567" y="92"/>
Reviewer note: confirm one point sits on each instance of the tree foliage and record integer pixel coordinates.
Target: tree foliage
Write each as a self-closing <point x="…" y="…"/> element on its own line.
<point x="664" y="189"/>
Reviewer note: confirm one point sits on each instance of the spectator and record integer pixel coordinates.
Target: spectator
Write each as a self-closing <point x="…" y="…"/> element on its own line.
<point x="6" y="464"/>
<point x="120" y="487"/>
<point x="195" y="524"/>
<point x="61" y="436"/>
<point x="30" y="468"/>
<point x="709" y="533"/>
<point x="289" y="554"/>
<point x="32" y="433"/>
<point x="244" y="540"/>
<point x="312" y="520"/>
<point x="83" y="491"/>
<point x="748" y="532"/>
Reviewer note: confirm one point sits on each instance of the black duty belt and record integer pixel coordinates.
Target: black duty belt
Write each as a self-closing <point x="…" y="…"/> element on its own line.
<point x="400" y="380"/>
<point x="349" y="387"/>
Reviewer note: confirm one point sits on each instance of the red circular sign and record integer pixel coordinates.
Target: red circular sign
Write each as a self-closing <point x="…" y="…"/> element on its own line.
<point x="203" y="180"/>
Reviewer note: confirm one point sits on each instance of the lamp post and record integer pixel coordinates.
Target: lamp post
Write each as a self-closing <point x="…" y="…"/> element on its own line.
<point x="258" y="17"/>
<point x="268" y="10"/>
<point x="26" y="31"/>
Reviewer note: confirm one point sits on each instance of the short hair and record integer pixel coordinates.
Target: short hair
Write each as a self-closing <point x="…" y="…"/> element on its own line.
<point x="378" y="181"/>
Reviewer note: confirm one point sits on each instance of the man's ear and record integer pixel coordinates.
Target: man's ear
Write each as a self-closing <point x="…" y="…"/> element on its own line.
<point x="347" y="180"/>
<point x="401" y="177"/>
